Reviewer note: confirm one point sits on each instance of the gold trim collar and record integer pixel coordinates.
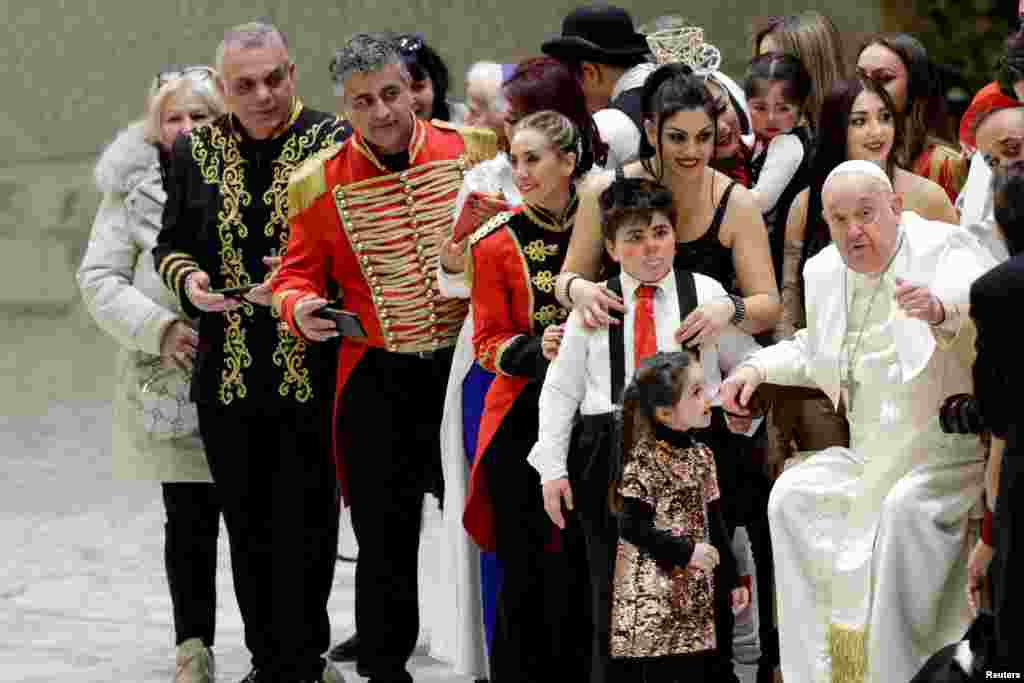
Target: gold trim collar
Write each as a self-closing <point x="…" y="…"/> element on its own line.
<point x="548" y="220"/>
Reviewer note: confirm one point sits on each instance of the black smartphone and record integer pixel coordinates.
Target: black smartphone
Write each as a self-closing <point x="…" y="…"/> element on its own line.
<point x="348" y="323"/>
<point x="235" y="292"/>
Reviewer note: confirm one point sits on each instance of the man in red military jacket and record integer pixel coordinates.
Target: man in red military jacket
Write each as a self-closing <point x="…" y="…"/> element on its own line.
<point x="369" y="215"/>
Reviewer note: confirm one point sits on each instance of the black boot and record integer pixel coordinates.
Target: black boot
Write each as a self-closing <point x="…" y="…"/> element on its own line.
<point x="346" y="650"/>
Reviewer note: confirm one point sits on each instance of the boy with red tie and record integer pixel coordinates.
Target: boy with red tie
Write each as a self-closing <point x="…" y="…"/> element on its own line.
<point x="593" y="365"/>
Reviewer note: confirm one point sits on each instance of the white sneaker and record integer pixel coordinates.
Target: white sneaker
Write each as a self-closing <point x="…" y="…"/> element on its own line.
<point x="194" y="663"/>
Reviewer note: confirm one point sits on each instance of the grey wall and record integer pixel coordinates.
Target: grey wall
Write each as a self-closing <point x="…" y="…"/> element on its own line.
<point x="75" y="71"/>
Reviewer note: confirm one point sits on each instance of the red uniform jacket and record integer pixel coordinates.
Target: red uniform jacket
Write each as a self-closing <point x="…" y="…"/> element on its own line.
<point x="376" y="234"/>
<point x="515" y="258"/>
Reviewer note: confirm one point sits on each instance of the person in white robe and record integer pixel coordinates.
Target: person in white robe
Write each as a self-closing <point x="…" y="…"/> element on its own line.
<point x="869" y="541"/>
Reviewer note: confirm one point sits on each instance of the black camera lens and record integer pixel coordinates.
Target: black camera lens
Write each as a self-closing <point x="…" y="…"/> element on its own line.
<point x="960" y="414"/>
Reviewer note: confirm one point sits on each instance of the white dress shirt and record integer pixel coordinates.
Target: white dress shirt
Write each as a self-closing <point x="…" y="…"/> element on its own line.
<point x="580" y="376"/>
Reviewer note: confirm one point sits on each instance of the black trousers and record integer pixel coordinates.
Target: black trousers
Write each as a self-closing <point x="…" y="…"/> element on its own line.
<point x="278" y="491"/>
<point x="190" y="557"/>
<point x="543" y="624"/>
<point x="744" y="489"/>
<point x="690" y="668"/>
<point x="389" y="421"/>
<point x="590" y="471"/>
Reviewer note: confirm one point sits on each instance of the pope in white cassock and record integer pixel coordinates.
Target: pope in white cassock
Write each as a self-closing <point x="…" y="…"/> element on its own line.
<point x="870" y="554"/>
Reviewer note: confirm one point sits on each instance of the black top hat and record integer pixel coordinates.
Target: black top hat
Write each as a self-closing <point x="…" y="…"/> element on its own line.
<point x="597" y="33"/>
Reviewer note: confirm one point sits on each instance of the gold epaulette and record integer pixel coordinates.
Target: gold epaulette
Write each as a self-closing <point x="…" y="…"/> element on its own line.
<point x="481" y="143"/>
<point x="490" y="226"/>
<point x="308" y="181"/>
<point x="483" y="231"/>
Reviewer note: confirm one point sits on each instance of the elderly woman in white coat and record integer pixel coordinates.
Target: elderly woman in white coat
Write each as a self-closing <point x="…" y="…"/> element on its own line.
<point x="155" y="434"/>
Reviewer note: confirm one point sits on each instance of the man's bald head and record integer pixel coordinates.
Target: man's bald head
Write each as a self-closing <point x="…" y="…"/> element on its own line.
<point x="863" y="216"/>
<point x="1000" y="136"/>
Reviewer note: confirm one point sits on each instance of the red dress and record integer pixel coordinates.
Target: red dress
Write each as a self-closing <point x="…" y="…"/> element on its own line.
<point x="941" y="163"/>
<point x="376" y="234"/>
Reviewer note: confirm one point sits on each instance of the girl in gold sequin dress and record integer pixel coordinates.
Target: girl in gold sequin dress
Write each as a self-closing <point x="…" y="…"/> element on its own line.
<point x="672" y="545"/>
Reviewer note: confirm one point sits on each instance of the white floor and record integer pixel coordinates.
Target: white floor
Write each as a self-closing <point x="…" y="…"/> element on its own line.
<point x="83" y="595"/>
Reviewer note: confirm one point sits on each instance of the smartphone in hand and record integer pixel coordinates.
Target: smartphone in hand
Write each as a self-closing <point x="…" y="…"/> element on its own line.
<point x="235" y="292"/>
<point x="479" y="208"/>
<point x="348" y="323"/>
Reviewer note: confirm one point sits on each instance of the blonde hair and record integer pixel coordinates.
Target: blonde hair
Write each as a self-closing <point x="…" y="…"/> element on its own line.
<point x="159" y="97"/>
<point x="558" y="130"/>
<point x="816" y="41"/>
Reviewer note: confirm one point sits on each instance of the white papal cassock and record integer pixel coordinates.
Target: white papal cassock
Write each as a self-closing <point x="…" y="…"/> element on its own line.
<point x="869" y="541"/>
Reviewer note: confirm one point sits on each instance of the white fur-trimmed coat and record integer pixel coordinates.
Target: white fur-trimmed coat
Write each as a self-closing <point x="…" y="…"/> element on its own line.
<point x="127" y="299"/>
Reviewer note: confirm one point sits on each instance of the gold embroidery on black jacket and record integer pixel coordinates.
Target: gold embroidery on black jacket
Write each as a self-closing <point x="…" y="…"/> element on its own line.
<point x="250" y="219"/>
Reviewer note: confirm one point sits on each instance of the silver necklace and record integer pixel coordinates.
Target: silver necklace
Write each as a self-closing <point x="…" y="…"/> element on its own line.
<point x="846" y="383"/>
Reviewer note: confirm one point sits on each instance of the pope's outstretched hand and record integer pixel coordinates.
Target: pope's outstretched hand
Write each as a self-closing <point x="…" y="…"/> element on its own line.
<point x="738" y="388"/>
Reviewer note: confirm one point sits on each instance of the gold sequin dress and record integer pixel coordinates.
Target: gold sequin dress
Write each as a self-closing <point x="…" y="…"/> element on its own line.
<point x="660" y="608"/>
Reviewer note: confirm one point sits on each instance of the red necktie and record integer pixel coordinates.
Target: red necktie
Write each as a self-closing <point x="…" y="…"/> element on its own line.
<point x="645" y="341"/>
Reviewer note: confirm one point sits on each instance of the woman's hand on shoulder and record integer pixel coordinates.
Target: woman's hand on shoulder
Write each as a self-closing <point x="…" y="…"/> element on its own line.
<point x="594" y="301"/>
<point x="705" y="323"/>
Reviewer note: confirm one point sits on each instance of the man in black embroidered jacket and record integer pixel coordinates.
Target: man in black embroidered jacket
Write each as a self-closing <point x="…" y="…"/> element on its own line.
<point x="264" y="395"/>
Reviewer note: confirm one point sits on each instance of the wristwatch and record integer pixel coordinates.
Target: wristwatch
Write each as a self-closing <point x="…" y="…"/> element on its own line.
<point x="740" y="314"/>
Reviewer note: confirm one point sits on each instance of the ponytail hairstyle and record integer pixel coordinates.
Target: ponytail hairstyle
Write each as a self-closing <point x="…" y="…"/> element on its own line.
<point x="560" y="132"/>
<point x="669" y="90"/>
<point x="660" y="382"/>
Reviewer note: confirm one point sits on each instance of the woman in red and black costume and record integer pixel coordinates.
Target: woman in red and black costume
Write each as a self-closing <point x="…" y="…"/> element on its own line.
<point x="515" y="257"/>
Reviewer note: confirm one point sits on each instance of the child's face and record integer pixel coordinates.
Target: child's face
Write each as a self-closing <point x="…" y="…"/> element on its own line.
<point x="727" y="144"/>
<point x="692" y="411"/>
<point x="771" y="113"/>
<point x="645" y="251"/>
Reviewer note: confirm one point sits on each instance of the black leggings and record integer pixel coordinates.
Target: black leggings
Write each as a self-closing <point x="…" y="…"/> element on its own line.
<point x="190" y="556"/>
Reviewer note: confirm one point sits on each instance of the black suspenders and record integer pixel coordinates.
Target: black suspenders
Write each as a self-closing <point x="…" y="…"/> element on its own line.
<point x="687" y="291"/>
